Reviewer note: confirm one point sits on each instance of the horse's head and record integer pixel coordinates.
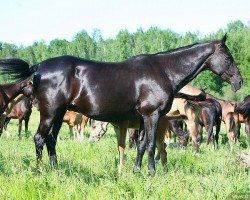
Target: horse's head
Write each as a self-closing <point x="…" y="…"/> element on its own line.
<point x="98" y="129"/>
<point x="222" y="63"/>
<point x="28" y="89"/>
<point x="244" y="107"/>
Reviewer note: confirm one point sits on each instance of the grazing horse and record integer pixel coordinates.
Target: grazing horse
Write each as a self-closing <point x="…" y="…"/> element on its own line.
<point x="98" y="129"/>
<point x="176" y="126"/>
<point x="77" y="123"/>
<point x="21" y="111"/>
<point x="198" y="114"/>
<point x="243" y="108"/>
<point x="11" y="94"/>
<point x="208" y="115"/>
<point x="230" y="118"/>
<point x="141" y="87"/>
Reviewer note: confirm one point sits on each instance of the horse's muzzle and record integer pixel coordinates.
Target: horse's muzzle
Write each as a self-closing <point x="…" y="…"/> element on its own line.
<point x="236" y="84"/>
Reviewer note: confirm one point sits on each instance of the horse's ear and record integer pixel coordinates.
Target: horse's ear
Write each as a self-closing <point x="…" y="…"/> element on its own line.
<point x="224" y="39"/>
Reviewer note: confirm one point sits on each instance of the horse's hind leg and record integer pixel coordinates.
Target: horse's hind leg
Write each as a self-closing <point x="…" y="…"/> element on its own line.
<point x="141" y="147"/>
<point x="218" y="124"/>
<point x="160" y="135"/>
<point x="7" y="120"/>
<point x="26" y="123"/>
<point x="150" y="124"/>
<point x="121" y="130"/>
<point x="193" y="129"/>
<point x="51" y="139"/>
<point x="20" y="128"/>
<point x="39" y="138"/>
<point x="71" y="132"/>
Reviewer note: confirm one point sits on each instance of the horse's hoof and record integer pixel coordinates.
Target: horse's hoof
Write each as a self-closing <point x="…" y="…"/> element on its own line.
<point x="136" y="170"/>
<point x="151" y="173"/>
<point x="165" y="169"/>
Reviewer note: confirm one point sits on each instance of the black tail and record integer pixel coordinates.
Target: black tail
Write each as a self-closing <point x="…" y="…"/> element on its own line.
<point x="200" y="97"/>
<point x="16" y="69"/>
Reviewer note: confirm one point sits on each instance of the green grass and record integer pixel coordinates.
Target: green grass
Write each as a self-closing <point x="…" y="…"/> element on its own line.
<point x="90" y="171"/>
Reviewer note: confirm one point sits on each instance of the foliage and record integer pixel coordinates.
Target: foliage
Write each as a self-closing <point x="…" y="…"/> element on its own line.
<point x="153" y="40"/>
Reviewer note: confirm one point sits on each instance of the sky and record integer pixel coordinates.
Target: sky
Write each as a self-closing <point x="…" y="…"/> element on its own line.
<point x="23" y="22"/>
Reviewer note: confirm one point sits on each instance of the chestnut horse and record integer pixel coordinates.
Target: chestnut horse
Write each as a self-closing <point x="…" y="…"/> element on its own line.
<point x="146" y="86"/>
<point x="76" y="122"/>
<point x="21" y="111"/>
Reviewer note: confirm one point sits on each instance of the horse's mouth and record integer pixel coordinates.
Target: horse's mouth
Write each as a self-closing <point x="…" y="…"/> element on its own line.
<point x="235" y="87"/>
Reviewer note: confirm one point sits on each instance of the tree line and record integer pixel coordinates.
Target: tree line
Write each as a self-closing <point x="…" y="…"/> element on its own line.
<point x="125" y="44"/>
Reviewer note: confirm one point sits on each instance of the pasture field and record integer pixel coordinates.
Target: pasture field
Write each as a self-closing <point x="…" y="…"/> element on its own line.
<point x="90" y="171"/>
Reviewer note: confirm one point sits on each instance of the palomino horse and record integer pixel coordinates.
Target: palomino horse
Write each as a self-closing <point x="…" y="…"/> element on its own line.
<point x="146" y="86"/>
<point x="77" y="123"/>
<point x="21" y="111"/>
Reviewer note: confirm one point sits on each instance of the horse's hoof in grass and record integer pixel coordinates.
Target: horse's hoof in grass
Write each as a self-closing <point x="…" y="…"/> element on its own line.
<point x="136" y="170"/>
<point x="151" y="173"/>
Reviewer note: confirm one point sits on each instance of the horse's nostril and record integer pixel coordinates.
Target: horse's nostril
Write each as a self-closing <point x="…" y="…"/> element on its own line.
<point x="241" y="83"/>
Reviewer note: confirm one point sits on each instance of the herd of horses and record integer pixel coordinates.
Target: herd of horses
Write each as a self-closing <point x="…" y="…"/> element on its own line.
<point x="145" y="92"/>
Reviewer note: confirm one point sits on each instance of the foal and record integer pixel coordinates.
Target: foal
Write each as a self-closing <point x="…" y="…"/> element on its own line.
<point x="77" y="123"/>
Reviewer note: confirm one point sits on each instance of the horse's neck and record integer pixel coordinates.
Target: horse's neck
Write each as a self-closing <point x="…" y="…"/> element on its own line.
<point x="181" y="66"/>
<point x="13" y="90"/>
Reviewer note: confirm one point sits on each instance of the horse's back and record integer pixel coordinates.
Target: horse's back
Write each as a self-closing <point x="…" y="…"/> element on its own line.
<point x="98" y="89"/>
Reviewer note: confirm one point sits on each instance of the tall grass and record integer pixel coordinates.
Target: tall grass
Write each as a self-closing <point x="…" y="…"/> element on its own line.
<point x="90" y="171"/>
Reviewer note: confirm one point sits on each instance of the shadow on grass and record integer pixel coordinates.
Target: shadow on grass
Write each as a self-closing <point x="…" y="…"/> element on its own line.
<point x="70" y="168"/>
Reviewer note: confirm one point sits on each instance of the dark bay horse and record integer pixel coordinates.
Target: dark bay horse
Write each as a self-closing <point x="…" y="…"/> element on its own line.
<point x="243" y="108"/>
<point x="21" y="111"/>
<point x="230" y="118"/>
<point x="141" y="87"/>
<point x="208" y="114"/>
<point x="11" y="94"/>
